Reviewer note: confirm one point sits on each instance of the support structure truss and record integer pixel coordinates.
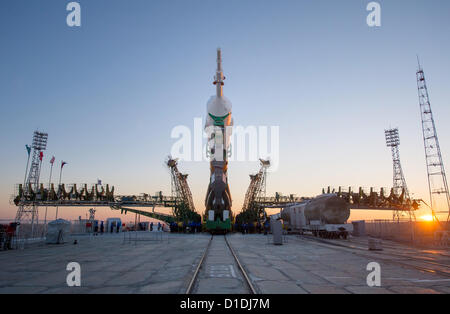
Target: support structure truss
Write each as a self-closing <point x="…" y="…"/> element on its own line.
<point x="26" y="212"/>
<point x="256" y="190"/>
<point x="180" y="190"/>
<point x="437" y="180"/>
<point x="399" y="187"/>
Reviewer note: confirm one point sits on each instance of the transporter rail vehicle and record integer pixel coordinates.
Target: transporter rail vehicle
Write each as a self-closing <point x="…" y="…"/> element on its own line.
<point x="324" y="216"/>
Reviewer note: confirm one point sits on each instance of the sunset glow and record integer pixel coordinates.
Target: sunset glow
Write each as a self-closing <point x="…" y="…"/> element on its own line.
<point x="426" y="218"/>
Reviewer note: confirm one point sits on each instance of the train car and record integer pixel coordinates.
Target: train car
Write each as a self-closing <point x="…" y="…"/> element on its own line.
<point x="324" y="216"/>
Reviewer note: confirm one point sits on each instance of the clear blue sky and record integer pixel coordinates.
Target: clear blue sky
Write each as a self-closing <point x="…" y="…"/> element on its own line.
<point x="110" y="92"/>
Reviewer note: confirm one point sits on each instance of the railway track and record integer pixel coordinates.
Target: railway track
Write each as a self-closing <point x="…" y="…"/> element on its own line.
<point x="195" y="277"/>
<point x="424" y="264"/>
<point x="197" y="269"/>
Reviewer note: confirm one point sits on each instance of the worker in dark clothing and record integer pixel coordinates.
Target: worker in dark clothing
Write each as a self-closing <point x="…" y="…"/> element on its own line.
<point x="258" y="227"/>
<point x="151" y="226"/>
<point x="111" y="229"/>
<point x="10" y="231"/>
<point x="159" y="226"/>
<point x="266" y="226"/>
<point x="3" y="236"/>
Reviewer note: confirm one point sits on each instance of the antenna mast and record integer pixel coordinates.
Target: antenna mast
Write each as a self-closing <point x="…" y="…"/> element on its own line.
<point x="437" y="180"/>
<point x="219" y="78"/>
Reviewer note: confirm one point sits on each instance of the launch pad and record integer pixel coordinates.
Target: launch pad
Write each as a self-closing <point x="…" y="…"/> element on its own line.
<point x="301" y="266"/>
<point x="218" y="215"/>
<point x="232" y="263"/>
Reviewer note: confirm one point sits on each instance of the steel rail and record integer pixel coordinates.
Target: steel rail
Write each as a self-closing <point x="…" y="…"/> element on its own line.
<point x="244" y="273"/>
<point x="197" y="269"/>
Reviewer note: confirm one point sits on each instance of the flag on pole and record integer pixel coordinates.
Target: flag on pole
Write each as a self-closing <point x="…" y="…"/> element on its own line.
<point x="63" y="163"/>
<point x="41" y="155"/>
<point x="52" y="160"/>
<point x="28" y="149"/>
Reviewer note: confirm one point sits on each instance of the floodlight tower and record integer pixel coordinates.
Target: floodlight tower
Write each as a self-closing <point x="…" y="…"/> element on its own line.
<point x="31" y="187"/>
<point x="437" y="180"/>
<point x="393" y="141"/>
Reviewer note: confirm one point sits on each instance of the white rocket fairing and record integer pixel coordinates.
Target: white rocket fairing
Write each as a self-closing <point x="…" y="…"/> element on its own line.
<point x="219" y="108"/>
<point x="218" y="125"/>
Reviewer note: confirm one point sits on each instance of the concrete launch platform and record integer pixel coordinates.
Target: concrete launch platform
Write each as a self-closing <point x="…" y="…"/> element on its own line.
<point x="302" y="265"/>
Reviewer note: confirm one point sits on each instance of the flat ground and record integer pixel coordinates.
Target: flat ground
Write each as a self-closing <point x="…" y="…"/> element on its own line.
<point x="302" y="265"/>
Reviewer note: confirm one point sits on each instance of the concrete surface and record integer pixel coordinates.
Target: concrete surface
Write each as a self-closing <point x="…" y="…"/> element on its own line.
<point x="300" y="266"/>
<point x="306" y="266"/>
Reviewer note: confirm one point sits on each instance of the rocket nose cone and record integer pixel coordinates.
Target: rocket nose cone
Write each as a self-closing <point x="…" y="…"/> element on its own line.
<point x="219" y="106"/>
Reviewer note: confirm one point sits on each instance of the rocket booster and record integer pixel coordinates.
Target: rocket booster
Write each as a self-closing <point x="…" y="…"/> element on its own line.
<point x="218" y="127"/>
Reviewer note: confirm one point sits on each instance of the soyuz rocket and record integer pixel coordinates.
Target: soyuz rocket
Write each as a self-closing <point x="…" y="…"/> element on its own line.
<point x="218" y="127"/>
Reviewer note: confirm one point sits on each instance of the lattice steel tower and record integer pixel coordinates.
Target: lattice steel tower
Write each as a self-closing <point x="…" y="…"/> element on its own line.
<point x="31" y="184"/>
<point x="257" y="187"/>
<point x="181" y="190"/>
<point x="400" y="187"/>
<point x="437" y="180"/>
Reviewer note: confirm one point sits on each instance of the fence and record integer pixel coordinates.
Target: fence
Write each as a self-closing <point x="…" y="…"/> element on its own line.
<point x="417" y="232"/>
<point x="27" y="235"/>
<point x="22" y="237"/>
<point x="145" y="236"/>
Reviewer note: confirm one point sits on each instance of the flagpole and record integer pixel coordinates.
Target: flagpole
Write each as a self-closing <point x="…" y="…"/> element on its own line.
<point x="49" y="183"/>
<point x="37" y="189"/>
<point x="26" y="170"/>
<point x="39" y="175"/>
<point x="59" y="185"/>
<point x="59" y="188"/>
